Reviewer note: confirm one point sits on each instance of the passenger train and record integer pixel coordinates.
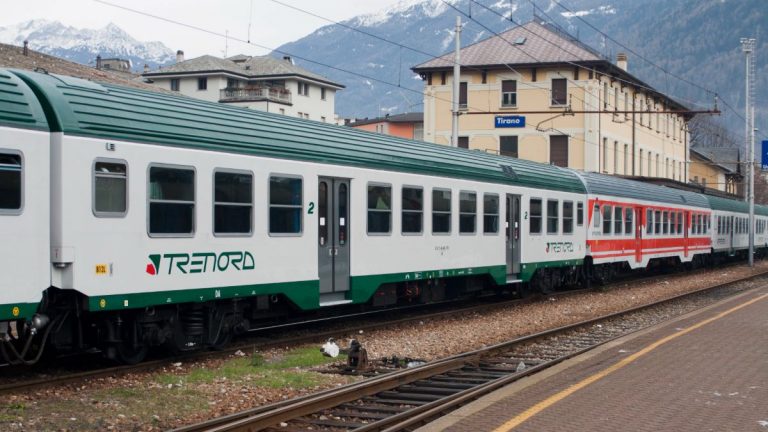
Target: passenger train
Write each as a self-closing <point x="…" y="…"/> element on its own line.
<point x="131" y="219"/>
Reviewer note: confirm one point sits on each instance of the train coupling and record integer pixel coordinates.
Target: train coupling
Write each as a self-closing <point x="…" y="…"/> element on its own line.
<point x="38" y="322"/>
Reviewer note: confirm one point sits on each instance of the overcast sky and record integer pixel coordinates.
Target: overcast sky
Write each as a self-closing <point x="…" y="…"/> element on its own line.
<point x="271" y="24"/>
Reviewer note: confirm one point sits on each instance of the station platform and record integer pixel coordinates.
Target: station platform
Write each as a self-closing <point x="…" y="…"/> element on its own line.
<point x="703" y="371"/>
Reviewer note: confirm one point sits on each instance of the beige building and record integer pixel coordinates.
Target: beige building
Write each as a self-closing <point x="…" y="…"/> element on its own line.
<point x="536" y="93"/>
<point x="263" y="83"/>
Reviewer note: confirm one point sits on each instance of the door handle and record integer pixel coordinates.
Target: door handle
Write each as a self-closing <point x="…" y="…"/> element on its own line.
<point x="330" y="251"/>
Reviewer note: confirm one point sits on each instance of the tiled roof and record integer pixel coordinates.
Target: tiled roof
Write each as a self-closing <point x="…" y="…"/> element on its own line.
<point x="540" y="44"/>
<point x="253" y="67"/>
<point x="12" y="56"/>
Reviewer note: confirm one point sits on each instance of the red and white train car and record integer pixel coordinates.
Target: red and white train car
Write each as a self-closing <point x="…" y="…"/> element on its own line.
<point x="631" y="223"/>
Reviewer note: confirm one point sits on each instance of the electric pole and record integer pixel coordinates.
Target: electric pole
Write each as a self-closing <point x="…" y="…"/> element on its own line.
<point x="748" y="47"/>
<point x="456" y="81"/>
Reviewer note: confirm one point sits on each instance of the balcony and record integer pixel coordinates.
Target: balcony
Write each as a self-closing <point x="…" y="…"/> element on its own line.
<point x="271" y="94"/>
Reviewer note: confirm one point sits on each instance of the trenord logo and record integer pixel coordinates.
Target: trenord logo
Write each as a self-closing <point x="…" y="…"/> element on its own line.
<point x="199" y="262"/>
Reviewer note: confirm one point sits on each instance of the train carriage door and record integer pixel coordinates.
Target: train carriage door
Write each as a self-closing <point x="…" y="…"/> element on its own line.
<point x="639" y="234"/>
<point x="686" y="225"/>
<point x="333" y="239"/>
<point x="513" y="235"/>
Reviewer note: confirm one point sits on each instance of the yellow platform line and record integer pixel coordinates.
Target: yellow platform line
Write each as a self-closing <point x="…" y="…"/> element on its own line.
<point x="546" y="403"/>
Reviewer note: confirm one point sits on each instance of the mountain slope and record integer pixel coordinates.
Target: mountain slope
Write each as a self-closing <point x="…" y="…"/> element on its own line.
<point x="83" y="45"/>
<point x="695" y="39"/>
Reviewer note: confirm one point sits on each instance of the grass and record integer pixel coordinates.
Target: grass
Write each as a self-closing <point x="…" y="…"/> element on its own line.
<point x="286" y="371"/>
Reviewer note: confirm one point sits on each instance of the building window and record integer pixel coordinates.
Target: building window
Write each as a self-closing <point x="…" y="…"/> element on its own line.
<point x="605" y="95"/>
<point x="174" y="84"/>
<point x="605" y="155"/>
<point x="10" y="183"/>
<point x="615" y="157"/>
<point x="490" y="213"/>
<point x="559" y="91"/>
<point x="303" y="89"/>
<point x="322" y="93"/>
<point x="567" y="217"/>
<point x="413" y="210"/>
<point x="441" y="211"/>
<point x="232" y="202"/>
<point x="322" y="119"/>
<point x="463" y="142"/>
<point x="508" y="146"/>
<point x="558" y="150"/>
<point x="202" y="83"/>
<point x="509" y="93"/>
<point x="463" y="95"/>
<point x="467" y="212"/>
<point x="110" y="189"/>
<point x="171" y="201"/>
<point x="553" y="216"/>
<point x="285" y="205"/>
<point x="282" y="111"/>
<point x="626" y="159"/>
<point x="535" y="210"/>
<point x="231" y="83"/>
<point x="379" y="209"/>
<point x="300" y="114"/>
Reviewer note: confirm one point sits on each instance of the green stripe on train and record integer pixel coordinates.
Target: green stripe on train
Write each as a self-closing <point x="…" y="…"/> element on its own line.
<point x="16" y="311"/>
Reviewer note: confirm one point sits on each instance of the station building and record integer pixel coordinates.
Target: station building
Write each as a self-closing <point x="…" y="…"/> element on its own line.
<point x="535" y="92"/>
<point x="263" y="83"/>
<point x="406" y="125"/>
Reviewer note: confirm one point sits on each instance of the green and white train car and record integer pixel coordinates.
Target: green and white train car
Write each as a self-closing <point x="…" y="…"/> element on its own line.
<point x="177" y="221"/>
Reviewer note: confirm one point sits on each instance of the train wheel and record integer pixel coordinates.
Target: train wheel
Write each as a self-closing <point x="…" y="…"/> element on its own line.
<point x="129" y="354"/>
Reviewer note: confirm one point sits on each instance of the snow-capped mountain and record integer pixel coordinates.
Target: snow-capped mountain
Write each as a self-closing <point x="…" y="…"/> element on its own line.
<point x="83" y="45"/>
<point x="697" y="40"/>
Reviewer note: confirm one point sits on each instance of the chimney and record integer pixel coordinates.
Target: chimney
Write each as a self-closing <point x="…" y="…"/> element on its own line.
<point x="179" y="56"/>
<point x="288" y="59"/>
<point x="146" y="68"/>
<point x="26" y="47"/>
<point x="621" y="61"/>
<point x="98" y="62"/>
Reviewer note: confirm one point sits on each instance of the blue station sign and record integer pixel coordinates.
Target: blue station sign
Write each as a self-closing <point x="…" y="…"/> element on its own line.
<point x="764" y="158"/>
<point x="510" y="121"/>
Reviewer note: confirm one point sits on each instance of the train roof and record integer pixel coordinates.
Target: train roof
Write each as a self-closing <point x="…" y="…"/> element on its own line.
<point x="85" y="108"/>
<point x="601" y="184"/>
<point x="18" y="105"/>
<point x="732" y="205"/>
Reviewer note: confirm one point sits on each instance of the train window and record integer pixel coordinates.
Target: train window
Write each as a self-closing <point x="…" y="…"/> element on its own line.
<point x="441" y="211"/>
<point x="649" y="221"/>
<point x="657" y="222"/>
<point x="665" y="222"/>
<point x="607" y="211"/>
<point x="553" y="216"/>
<point x="110" y="195"/>
<point x="628" y="219"/>
<point x="700" y="228"/>
<point x="232" y="203"/>
<point x="10" y="183"/>
<point x="579" y="213"/>
<point x="467" y="212"/>
<point x="596" y="216"/>
<point x="490" y="213"/>
<point x="413" y="210"/>
<point x="285" y="205"/>
<point x="679" y="222"/>
<point x="171" y="201"/>
<point x="567" y="217"/>
<point x="379" y="209"/>
<point x="535" y="227"/>
<point x="618" y="220"/>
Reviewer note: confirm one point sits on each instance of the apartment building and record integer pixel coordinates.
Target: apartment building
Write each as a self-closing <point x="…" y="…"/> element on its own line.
<point x="406" y="125"/>
<point x="264" y="83"/>
<point x="537" y="93"/>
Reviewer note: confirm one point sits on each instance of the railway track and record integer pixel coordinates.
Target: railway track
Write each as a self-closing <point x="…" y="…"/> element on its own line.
<point x="407" y="399"/>
<point x="265" y="337"/>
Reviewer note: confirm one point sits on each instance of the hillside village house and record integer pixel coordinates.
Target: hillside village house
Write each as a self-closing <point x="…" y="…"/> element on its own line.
<point x="263" y="83"/>
<point x="536" y="93"/>
<point x="406" y="125"/>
